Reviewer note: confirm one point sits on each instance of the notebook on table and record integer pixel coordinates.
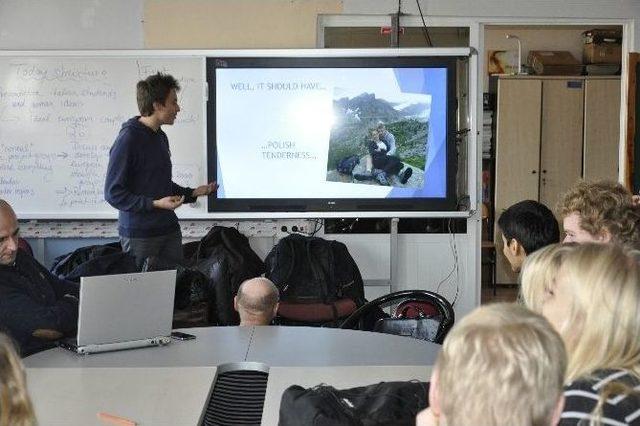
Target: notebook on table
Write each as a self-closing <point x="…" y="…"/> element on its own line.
<point x="124" y="311"/>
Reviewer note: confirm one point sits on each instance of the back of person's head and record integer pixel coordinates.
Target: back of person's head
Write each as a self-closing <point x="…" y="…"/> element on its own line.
<point x="500" y="365"/>
<point x="531" y="224"/>
<point x="598" y="285"/>
<point x="605" y="211"/>
<point x="15" y="404"/>
<point x="257" y="301"/>
<point x="154" y="88"/>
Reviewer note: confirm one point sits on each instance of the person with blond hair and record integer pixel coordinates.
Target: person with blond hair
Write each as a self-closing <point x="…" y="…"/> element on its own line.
<point x="590" y="293"/>
<point x="501" y="365"/>
<point x="602" y="212"/>
<point x="15" y="405"/>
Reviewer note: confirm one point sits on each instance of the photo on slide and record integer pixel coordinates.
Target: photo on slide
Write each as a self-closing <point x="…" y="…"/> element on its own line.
<point x="379" y="140"/>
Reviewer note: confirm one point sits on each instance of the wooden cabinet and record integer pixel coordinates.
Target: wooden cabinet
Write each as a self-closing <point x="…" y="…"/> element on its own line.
<point x="601" y="129"/>
<point x="550" y="132"/>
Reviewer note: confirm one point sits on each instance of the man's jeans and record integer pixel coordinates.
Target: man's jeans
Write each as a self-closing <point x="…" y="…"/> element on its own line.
<point x="168" y="247"/>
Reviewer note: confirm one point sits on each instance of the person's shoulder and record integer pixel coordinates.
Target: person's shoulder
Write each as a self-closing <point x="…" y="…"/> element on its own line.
<point x="600" y="378"/>
<point x="132" y="127"/>
<point x="127" y="136"/>
<point x="26" y="261"/>
<point x="583" y="394"/>
<point x="130" y="137"/>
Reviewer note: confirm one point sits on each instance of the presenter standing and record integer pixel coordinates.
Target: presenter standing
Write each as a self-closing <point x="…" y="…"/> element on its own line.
<point x="139" y="180"/>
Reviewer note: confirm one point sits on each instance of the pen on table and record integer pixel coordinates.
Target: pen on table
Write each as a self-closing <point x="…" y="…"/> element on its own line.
<point x="116" y="420"/>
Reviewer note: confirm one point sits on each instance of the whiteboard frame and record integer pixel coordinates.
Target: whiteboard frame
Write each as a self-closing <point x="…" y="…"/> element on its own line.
<point x="183" y="213"/>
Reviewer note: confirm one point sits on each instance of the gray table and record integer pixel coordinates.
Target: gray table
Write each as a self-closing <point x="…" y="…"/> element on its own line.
<point x="212" y="347"/>
<point x="171" y="384"/>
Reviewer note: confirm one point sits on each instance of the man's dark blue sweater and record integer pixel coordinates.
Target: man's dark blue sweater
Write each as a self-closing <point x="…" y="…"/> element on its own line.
<point x="32" y="298"/>
<point x="139" y="172"/>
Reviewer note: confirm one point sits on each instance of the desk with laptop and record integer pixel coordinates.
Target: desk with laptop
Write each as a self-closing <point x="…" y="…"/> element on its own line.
<point x="171" y="383"/>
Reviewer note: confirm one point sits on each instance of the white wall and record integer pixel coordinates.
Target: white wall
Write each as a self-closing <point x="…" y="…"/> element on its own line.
<point x="71" y="24"/>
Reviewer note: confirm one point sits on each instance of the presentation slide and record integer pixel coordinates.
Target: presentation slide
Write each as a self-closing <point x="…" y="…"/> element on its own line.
<point x="331" y="132"/>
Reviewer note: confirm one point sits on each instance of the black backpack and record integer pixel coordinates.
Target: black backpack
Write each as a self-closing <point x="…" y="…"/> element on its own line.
<point x="347" y="164"/>
<point x="314" y="270"/>
<point x="226" y="258"/>
<point x="108" y="264"/>
<point x="385" y="403"/>
<point x="63" y="265"/>
<point x="191" y="285"/>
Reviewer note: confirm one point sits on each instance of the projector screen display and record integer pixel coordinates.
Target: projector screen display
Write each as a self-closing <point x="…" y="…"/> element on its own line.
<point x="331" y="133"/>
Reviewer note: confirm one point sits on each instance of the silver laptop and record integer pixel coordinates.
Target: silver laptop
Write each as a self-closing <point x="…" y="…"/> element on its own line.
<point x="124" y="311"/>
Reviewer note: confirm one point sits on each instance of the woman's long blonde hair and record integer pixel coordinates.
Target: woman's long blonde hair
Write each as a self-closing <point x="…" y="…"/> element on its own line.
<point x="15" y="404"/>
<point x="603" y="321"/>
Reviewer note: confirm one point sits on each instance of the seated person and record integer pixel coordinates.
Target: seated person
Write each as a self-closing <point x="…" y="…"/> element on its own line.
<point x="256" y="301"/>
<point x="600" y="212"/>
<point x="590" y="294"/>
<point x="501" y="365"/>
<point x="526" y="226"/>
<point x="15" y="405"/>
<point x="386" y="137"/>
<point x="35" y="306"/>
<point x="382" y="161"/>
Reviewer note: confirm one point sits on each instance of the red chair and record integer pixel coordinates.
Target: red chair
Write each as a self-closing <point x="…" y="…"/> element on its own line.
<point x="315" y="314"/>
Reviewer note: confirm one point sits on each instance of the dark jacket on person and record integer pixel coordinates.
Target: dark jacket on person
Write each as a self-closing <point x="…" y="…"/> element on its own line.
<point x="139" y="172"/>
<point x="32" y="298"/>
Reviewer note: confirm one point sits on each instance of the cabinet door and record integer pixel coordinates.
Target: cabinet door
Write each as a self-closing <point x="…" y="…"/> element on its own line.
<point x="601" y="129"/>
<point x="561" y="138"/>
<point x="517" y="153"/>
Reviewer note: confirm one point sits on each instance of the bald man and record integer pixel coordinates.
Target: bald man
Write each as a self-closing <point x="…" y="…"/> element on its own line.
<point x="35" y="306"/>
<point x="257" y="301"/>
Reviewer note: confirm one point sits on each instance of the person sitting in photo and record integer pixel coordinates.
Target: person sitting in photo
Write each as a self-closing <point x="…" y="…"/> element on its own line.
<point x="526" y="227"/>
<point x="257" y="301"/>
<point x="16" y="408"/>
<point x="386" y="137"/>
<point x="600" y="212"/>
<point x="590" y="293"/>
<point x="36" y="307"/>
<point x="501" y="365"/>
<point x="380" y="164"/>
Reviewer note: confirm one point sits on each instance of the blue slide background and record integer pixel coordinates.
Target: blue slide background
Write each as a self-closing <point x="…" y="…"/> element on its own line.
<point x="432" y="81"/>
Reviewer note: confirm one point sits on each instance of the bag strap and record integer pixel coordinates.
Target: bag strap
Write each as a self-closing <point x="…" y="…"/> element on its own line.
<point x="284" y="244"/>
<point x="332" y="267"/>
<point x="314" y="272"/>
<point x="230" y="245"/>
<point x="320" y="275"/>
<point x="203" y="243"/>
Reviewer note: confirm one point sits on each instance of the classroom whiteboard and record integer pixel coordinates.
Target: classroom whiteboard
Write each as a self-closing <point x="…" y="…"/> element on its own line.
<point x="59" y="116"/>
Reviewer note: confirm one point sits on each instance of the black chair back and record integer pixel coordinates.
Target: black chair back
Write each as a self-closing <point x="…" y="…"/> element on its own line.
<point x="446" y="315"/>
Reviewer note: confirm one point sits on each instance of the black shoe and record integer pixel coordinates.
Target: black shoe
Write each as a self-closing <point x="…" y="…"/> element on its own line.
<point x="406" y="175"/>
<point x="363" y="176"/>
<point x="382" y="179"/>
